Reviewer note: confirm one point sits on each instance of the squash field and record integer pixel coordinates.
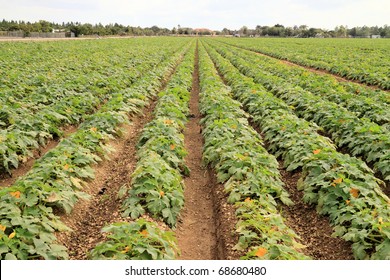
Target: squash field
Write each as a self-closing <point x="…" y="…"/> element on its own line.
<point x="195" y="148"/>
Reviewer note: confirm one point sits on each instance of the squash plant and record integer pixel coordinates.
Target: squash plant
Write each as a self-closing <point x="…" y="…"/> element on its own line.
<point x="360" y="136"/>
<point x="157" y="180"/>
<point x="250" y="175"/>
<point x="56" y="180"/>
<point x="343" y="187"/>
<point x="139" y="240"/>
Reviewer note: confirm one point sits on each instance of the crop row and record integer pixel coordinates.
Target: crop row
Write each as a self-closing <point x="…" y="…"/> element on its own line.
<point x="343" y="187"/>
<point x="33" y="128"/>
<point x="157" y="181"/>
<point x="358" y="60"/>
<point x="360" y="136"/>
<point x="250" y="175"/>
<point x="56" y="180"/>
<point x="327" y="87"/>
<point x="44" y="85"/>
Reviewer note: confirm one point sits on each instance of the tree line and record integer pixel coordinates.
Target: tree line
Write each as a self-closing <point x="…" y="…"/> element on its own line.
<point x="278" y="30"/>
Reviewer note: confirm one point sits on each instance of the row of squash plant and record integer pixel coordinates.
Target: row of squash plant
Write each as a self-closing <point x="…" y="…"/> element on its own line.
<point x="374" y="107"/>
<point x="157" y="182"/>
<point x="360" y="137"/>
<point x="360" y="60"/>
<point x="249" y="173"/>
<point x="28" y="123"/>
<point x="344" y="188"/>
<point x="27" y="222"/>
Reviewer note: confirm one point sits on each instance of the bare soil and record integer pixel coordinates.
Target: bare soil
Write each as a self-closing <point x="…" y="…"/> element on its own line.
<point x="315" y="230"/>
<point x="226" y="221"/>
<point x="196" y="231"/>
<point x="7" y="180"/>
<point x="206" y="227"/>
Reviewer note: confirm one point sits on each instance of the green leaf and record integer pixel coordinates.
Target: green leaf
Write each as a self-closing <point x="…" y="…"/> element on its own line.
<point x="10" y="256"/>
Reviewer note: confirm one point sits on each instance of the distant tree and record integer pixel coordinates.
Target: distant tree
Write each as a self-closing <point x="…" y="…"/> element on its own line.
<point x="341" y="31"/>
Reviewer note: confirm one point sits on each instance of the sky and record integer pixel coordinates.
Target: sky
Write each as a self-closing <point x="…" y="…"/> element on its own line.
<point x="212" y="14"/>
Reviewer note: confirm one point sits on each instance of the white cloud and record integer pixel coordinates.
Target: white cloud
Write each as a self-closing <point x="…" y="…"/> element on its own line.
<point x="215" y="14"/>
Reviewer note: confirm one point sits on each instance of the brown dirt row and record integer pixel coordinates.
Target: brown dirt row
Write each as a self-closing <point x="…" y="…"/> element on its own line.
<point x="90" y="216"/>
<point x="206" y="223"/>
<point x="7" y="180"/>
<point x="314" y="230"/>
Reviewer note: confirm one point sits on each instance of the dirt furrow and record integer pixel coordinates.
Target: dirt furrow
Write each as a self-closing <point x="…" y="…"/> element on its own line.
<point x="196" y="231"/>
<point x="89" y="217"/>
<point x="315" y="230"/>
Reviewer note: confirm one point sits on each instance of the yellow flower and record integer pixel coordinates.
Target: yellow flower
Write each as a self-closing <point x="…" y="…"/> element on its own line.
<point x="12" y="235"/>
<point x="354" y="192"/>
<point x="316" y="152"/>
<point x="145" y="233"/>
<point x="127" y="248"/>
<point x="15" y="194"/>
<point x="261" y="252"/>
<point x="338" y="180"/>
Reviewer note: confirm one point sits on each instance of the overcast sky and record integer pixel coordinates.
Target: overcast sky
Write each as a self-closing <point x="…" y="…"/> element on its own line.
<point x="213" y="14"/>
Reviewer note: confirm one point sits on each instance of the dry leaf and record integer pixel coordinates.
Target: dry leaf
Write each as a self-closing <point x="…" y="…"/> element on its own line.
<point x="76" y="182"/>
<point x="52" y="197"/>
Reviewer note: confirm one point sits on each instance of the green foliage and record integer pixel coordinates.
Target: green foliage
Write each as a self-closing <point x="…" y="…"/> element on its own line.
<point x="343" y="187"/>
<point x="57" y="179"/>
<point x="260" y="227"/>
<point x="140" y="240"/>
<point x="250" y="175"/>
<point x="359" y="60"/>
<point x="157" y="180"/>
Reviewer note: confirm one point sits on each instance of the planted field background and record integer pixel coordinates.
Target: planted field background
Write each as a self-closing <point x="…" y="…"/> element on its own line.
<point x="188" y="148"/>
